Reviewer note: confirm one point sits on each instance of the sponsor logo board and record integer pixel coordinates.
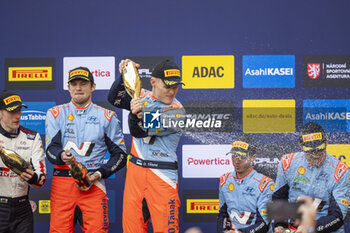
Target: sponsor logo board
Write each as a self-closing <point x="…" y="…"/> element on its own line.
<point x="269" y="116"/>
<point x="332" y="114"/>
<point x="268" y="157"/>
<point x="268" y="71"/>
<point x="218" y="115"/>
<point x="326" y="71"/>
<point x="34" y="116"/>
<point x="340" y="151"/>
<point x="18" y="74"/>
<point x="208" y="72"/>
<point x="200" y="205"/>
<point x="40" y="199"/>
<point x="30" y="73"/>
<point x="102" y="68"/>
<point x="205" y="161"/>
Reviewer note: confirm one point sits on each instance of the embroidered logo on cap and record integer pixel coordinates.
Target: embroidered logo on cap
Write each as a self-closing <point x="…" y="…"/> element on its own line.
<point x="312" y="137"/>
<point x="239" y="144"/>
<point x="172" y="72"/>
<point x="11" y="99"/>
<point x="79" y="72"/>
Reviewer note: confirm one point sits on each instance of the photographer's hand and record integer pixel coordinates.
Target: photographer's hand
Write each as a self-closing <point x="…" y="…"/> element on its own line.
<point x="308" y="216"/>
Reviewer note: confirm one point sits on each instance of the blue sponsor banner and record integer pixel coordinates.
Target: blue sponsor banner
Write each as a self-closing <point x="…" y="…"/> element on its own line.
<point x="34" y="116"/>
<point x="268" y="71"/>
<point x="332" y="115"/>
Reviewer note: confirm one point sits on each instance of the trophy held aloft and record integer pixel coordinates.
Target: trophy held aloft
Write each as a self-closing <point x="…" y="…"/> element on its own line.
<point x="132" y="81"/>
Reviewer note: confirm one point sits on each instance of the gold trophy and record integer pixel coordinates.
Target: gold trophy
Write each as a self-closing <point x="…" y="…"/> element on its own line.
<point x="13" y="161"/>
<point x="80" y="174"/>
<point x="132" y="81"/>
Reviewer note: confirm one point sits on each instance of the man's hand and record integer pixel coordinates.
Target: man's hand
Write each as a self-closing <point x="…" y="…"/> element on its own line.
<point x="136" y="107"/>
<point x="27" y="175"/>
<point x="67" y="157"/>
<point x="278" y="229"/>
<point x="94" y="177"/>
<point x="124" y="63"/>
<point x="308" y="215"/>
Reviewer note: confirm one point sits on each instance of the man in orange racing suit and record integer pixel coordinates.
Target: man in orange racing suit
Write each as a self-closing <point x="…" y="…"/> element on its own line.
<point x="151" y="182"/>
<point x="82" y="131"/>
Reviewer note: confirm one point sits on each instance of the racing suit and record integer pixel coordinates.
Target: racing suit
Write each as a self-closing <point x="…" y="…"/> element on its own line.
<point x="328" y="185"/>
<point x="243" y="202"/>
<point x="87" y="133"/>
<point x="15" y="210"/>
<point x="151" y="189"/>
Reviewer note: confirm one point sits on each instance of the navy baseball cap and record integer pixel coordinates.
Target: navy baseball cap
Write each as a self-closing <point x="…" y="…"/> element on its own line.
<point x="168" y="72"/>
<point x="10" y="101"/>
<point x="81" y="73"/>
<point x="312" y="137"/>
<point x="243" y="146"/>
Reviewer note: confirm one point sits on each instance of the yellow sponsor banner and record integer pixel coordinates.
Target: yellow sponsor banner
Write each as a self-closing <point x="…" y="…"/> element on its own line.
<point x="208" y="72"/>
<point x="30" y="74"/>
<point x="44" y="207"/>
<point x="203" y="206"/>
<point x="269" y="116"/>
<point x="340" y="151"/>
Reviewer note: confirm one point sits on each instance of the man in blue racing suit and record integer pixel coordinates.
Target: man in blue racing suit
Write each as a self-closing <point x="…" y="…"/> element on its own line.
<point x="151" y="189"/>
<point x="316" y="174"/>
<point x="82" y="131"/>
<point x="244" y="193"/>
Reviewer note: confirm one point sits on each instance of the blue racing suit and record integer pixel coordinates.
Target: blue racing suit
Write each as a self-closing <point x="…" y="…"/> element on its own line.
<point x="243" y="202"/>
<point x="151" y="189"/>
<point x="87" y="133"/>
<point x="328" y="185"/>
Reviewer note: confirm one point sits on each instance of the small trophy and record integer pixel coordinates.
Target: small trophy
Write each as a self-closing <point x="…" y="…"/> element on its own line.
<point x="80" y="174"/>
<point x="13" y="161"/>
<point x="132" y="81"/>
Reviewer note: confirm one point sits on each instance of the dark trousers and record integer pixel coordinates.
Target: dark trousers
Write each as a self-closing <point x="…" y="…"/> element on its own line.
<point x="16" y="215"/>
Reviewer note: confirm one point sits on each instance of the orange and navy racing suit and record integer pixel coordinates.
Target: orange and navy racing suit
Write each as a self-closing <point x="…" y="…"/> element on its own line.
<point x="151" y="187"/>
<point x="87" y="133"/>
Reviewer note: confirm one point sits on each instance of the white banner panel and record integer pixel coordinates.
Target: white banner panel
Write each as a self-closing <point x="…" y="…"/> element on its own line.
<point x="205" y="161"/>
<point x="102" y="68"/>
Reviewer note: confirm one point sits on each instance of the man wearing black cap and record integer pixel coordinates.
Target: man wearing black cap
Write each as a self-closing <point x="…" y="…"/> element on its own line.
<point x="151" y="182"/>
<point x="82" y="131"/>
<point x="243" y="194"/>
<point x="15" y="210"/>
<point x="316" y="174"/>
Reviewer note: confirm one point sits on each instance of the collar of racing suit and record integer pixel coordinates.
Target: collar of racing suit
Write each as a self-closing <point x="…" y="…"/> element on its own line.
<point x="80" y="111"/>
<point x="7" y="134"/>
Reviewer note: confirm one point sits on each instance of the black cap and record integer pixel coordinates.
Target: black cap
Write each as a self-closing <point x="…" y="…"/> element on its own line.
<point x="81" y="73"/>
<point x="312" y="137"/>
<point x="10" y="101"/>
<point x="168" y="72"/>
<point x="243" y="146"/>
